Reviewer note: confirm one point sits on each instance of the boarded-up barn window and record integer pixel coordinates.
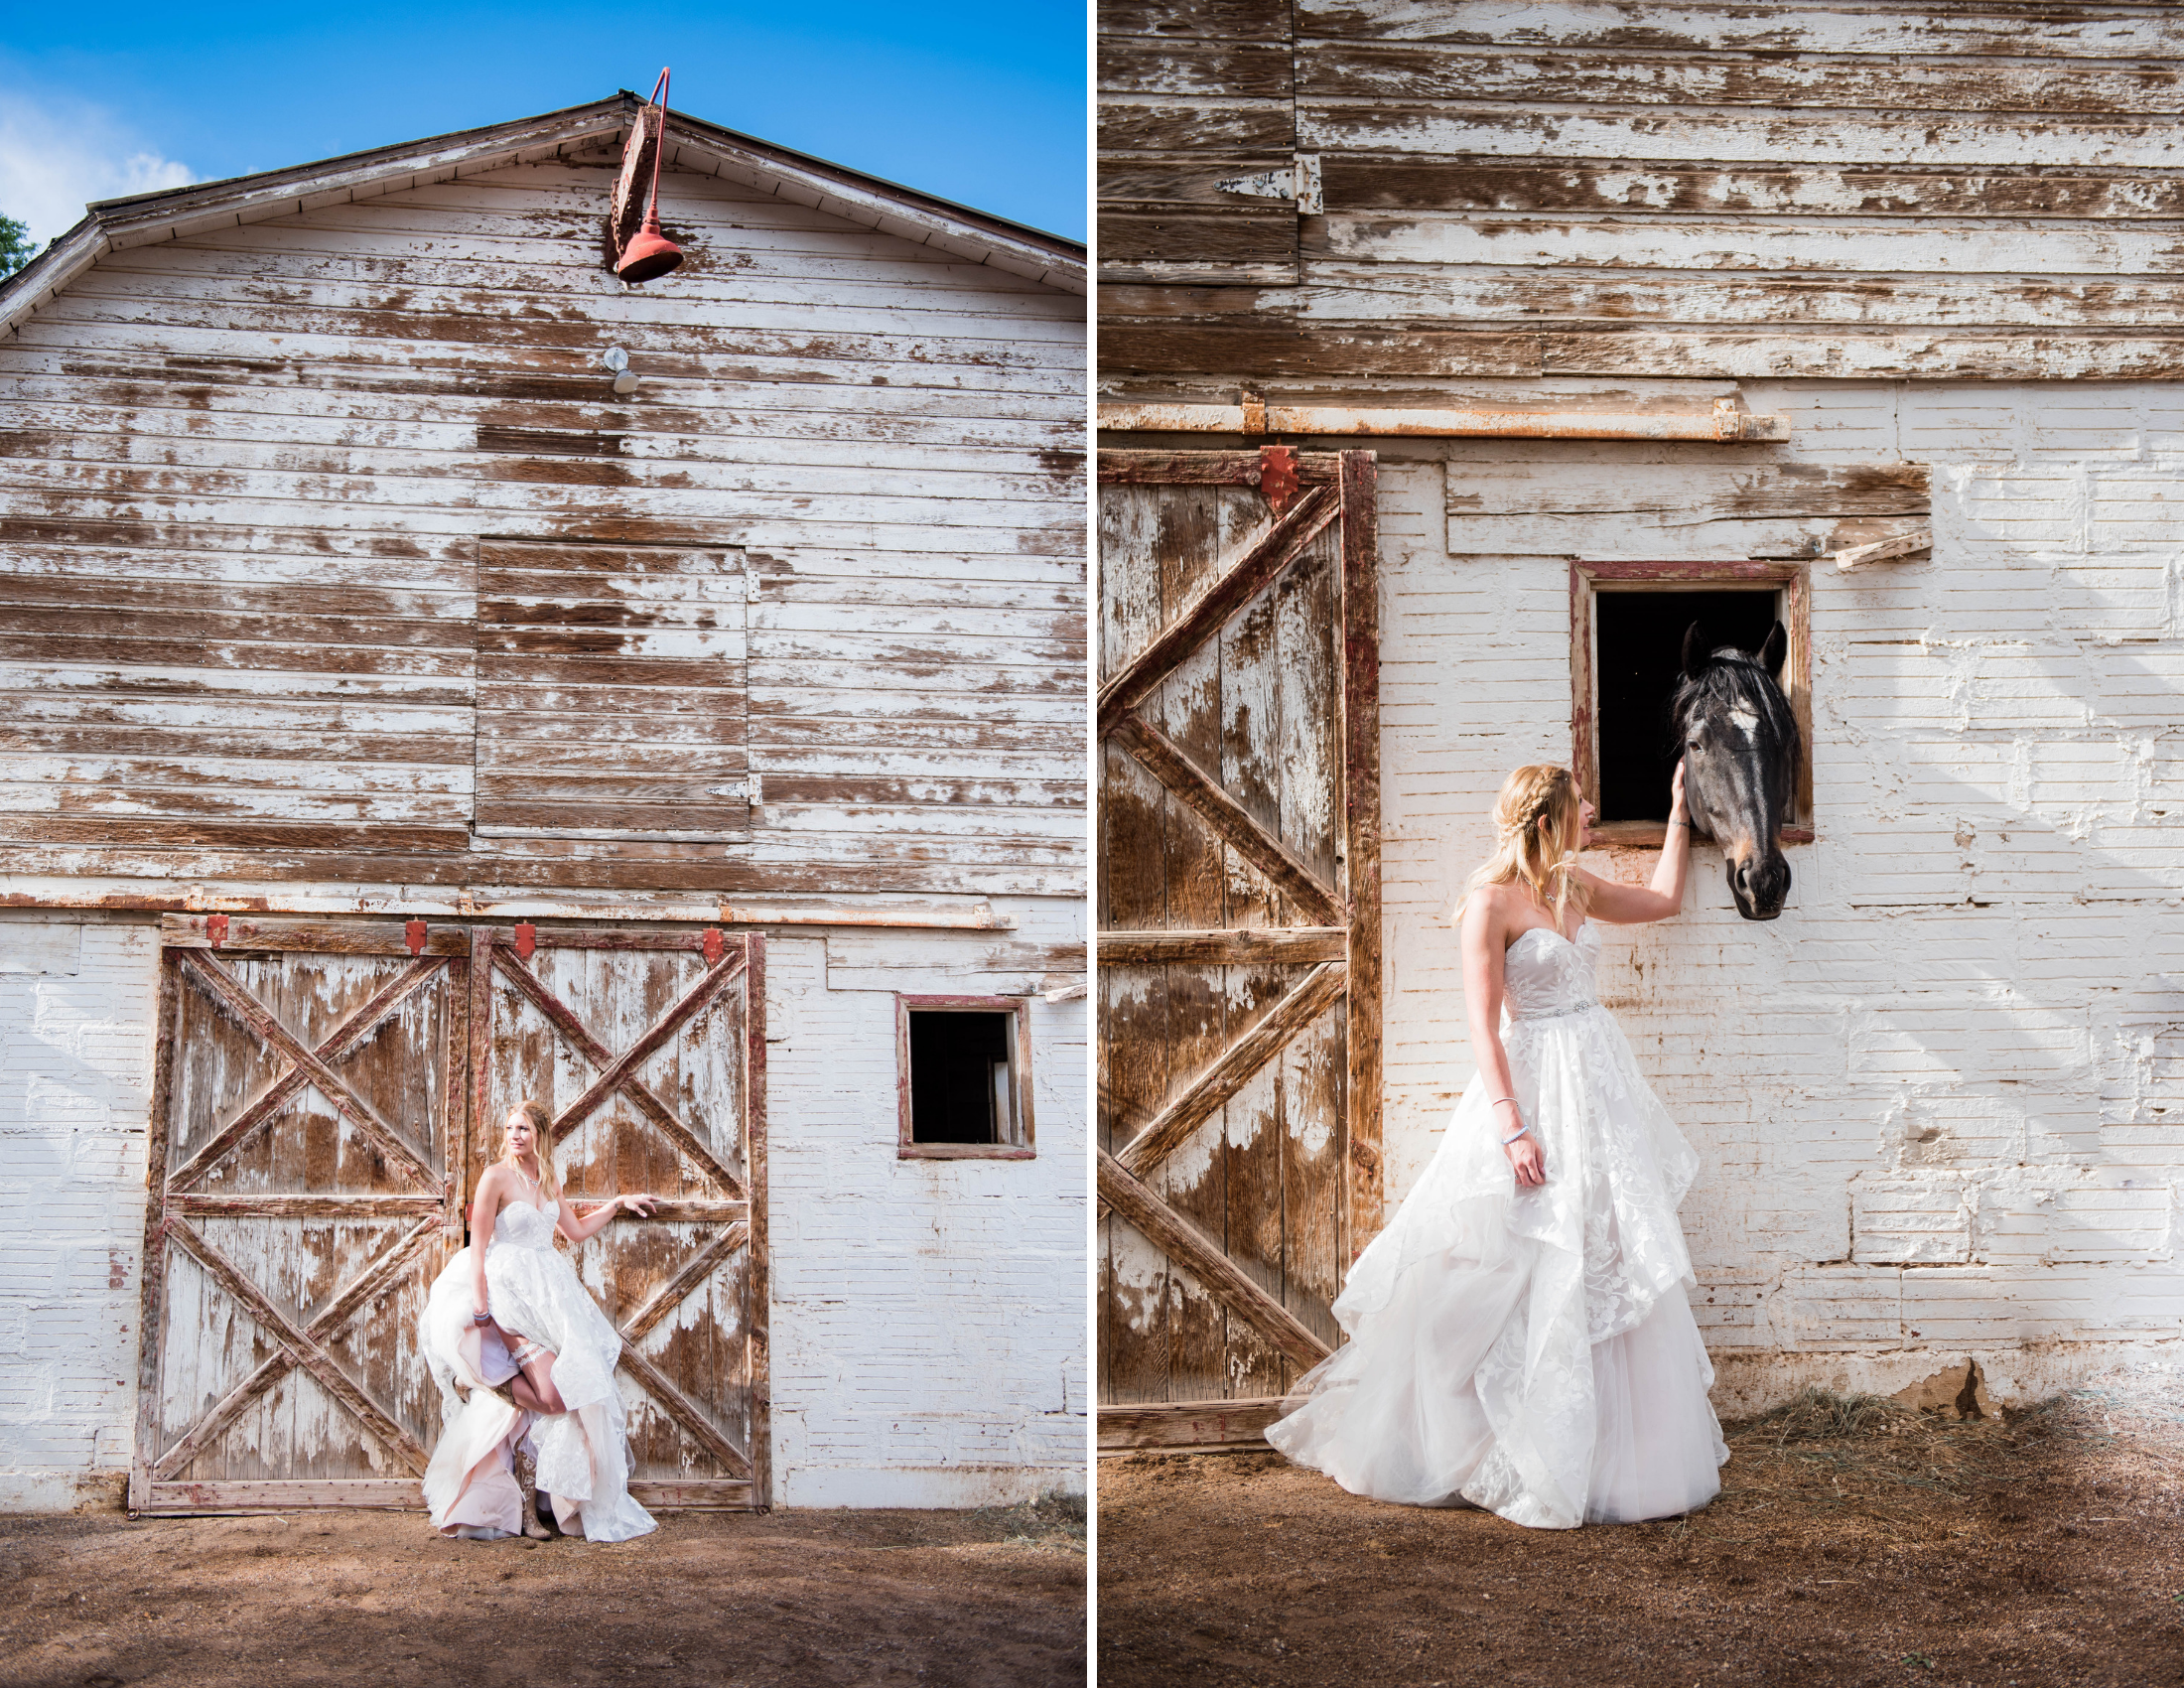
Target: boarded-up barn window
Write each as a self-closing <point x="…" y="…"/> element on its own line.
<point x="1626" y="632"/>
<point x="963" y="1077"/>
<point x="610" y="693"/>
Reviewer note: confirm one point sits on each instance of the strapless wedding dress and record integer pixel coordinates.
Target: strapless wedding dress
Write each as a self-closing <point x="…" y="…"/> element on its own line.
<point x="584" y="1458"/>
<point x="1528" y="1349"/>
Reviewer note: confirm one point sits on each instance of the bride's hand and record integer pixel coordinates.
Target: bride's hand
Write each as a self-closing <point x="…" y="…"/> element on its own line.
<point x="1675" y="792"/>
<point x="642" y="1205"/>
<point x="1526" y="1161"/>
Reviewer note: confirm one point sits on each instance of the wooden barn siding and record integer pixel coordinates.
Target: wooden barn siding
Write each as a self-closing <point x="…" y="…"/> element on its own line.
<point x="243" y="477"/>
<point x="1939" y="1105"/>
<point x="1615" y="189"/>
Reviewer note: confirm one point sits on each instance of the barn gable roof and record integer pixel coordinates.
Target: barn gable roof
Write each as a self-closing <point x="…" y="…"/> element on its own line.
<point x="145" y="219"/>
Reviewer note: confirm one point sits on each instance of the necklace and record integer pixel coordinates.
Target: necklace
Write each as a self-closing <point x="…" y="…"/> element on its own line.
<point x="526" y="1178"/>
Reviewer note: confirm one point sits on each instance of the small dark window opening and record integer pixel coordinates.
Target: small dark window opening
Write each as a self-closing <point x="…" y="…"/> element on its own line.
<point x="964" y="1078"/>
<point x="1640" y="656"/>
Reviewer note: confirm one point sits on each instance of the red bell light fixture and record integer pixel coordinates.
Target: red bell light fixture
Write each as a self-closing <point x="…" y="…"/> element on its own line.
<point x="650" y="254"/>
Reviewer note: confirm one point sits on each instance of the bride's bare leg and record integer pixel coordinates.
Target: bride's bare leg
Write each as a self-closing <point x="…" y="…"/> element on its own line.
<point x="533" y="1386"/>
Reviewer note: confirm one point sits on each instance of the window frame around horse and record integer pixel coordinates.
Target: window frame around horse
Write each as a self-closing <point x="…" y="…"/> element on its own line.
<point x="1590" y="576"/>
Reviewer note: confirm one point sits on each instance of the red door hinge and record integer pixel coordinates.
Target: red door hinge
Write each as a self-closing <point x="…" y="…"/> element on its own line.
<point x="215" y="929"/>
<point x="714" y="946"/>
<point x="1278" y="476"/>
<point x="526" y="939"/>
<point x="414" y="935"/>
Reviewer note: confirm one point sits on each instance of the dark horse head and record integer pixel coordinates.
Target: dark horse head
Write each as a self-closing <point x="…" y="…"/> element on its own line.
<point x="1739" y="745"/>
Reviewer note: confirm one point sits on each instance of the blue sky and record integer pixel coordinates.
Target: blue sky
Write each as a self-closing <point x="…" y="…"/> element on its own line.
<point x="981" y="103"/>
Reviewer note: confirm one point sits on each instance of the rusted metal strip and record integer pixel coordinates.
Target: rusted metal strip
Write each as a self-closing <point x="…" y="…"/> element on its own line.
<point x="686" y="1278"/>
<point x="1167" y="1131"/>
<point x="564" y="1020"/>
<point x="1223" y="1279"/>
<point x="1230" y="820"/>
<point x="1723" y="425"/>
<point x="1232" y="946"/>
<point x="227" y="988"/>
<point x="342" y="1042"/>
<point x="306" y="1352"/>
<point x="1262" y="556"/>
<point x="21" y="891"/>
<point x="685" y="1412"/>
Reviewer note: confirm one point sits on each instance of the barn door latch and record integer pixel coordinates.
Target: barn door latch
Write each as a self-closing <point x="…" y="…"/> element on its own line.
<point x="527" y="940"/>
<point x="413" y="935"/>
<point x="1278" y="476"/>
<point x="216" y="929"/>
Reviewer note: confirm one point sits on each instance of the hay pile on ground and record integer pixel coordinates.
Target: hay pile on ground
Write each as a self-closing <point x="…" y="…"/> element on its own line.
<point x="1855" y="1541"/>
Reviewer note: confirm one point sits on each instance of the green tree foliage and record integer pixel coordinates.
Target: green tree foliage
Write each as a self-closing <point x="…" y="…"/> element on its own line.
<point x="17" y="248"/>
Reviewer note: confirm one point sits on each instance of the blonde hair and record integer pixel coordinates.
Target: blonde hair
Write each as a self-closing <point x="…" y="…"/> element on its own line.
<point x="535" y="1112"/>
<point x="1543" y="857"/>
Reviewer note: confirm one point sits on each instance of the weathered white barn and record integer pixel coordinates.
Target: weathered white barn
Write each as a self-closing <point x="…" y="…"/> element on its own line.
<point x="1630" y="299"/>
<point x="404" y="714"/>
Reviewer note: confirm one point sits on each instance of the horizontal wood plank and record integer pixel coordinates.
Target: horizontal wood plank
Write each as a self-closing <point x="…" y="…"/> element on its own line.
<point x="1181" y="1426"/>
<point x="1235" y="946"/>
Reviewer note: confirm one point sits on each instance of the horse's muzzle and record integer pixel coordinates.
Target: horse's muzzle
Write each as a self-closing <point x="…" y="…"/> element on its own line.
<point x="1760" y="884"/>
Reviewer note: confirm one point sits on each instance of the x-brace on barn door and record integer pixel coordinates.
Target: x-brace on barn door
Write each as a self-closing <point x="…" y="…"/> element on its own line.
<point x="1239" y="928"/>
<point x="326" y="1096"/>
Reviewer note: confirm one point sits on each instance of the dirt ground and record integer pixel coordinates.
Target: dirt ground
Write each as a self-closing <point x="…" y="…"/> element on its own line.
<point x="1851" y="1544"/>
<point x="977" y="1597"/>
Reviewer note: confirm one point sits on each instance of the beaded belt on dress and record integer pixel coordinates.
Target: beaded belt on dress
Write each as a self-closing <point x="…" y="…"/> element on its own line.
<point x="1553" y="1014"/>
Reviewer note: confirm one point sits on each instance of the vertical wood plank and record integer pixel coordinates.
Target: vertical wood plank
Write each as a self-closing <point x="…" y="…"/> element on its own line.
<point x="758" y="1314"/>
<point x="480" y="1064"/>
<point x="151" y="1327"/>
<point x="1251" y="1150"/>
<point x="455" y="1113"/>
<point x="1361" y="816"/>
<point x="1187" y="707"/>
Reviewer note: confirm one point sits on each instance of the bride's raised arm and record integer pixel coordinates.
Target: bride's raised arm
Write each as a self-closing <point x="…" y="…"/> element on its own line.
<point x="1632" y="905"/>
<point x="577" y="1228"/>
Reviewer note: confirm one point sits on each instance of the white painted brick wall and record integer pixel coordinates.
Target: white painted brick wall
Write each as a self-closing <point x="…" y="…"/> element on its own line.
<point x="928" y="1317"/>
<point x="1941" y="1102"/>
<point x="75" y="1013"/>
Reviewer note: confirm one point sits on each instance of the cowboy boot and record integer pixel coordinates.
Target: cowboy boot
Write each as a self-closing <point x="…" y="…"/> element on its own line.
<point x="526" y="1483"/>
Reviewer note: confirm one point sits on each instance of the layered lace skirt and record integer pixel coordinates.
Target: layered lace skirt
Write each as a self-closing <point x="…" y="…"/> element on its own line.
<point x="584" y="1458"/>
<point x="1528" y="1350"/>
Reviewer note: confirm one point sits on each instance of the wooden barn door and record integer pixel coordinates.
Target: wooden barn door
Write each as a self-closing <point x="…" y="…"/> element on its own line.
<point x="648" y="1049"/>
<point x="305" y="1158"/>
<point x="1239" y="929"/>
<point x="326" y="1097"/>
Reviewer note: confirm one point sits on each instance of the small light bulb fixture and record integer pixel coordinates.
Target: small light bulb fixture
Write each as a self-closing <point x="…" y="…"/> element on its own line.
<point x="618" y="360"/>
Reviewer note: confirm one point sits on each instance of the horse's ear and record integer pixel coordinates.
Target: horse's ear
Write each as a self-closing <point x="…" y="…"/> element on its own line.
<point x="1774" y="649"/>
<point x="1695" y="651"/>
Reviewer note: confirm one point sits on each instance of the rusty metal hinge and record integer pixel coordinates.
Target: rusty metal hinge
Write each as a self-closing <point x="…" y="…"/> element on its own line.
<point x="1298" y="184"/>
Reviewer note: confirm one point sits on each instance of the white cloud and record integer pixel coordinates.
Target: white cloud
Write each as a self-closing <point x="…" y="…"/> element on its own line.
<point x="54" y="160"/>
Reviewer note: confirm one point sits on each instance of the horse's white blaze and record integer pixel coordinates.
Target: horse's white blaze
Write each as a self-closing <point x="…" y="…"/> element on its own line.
<point x="1745" y="721"/>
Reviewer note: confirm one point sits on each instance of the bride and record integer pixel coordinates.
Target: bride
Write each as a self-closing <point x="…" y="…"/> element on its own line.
<point x="1519" y="1335"/>
<point x="508" y="1324"/>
